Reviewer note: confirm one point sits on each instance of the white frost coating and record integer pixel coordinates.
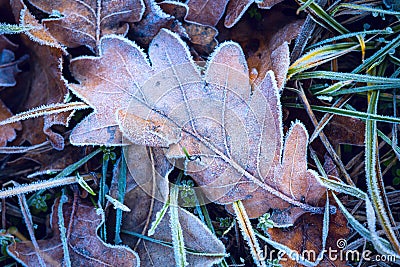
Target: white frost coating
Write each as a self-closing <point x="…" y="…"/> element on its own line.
<point x="117" y="204"/>
<point x="43" y="110"/>
<point x="125" y="40"/>
<point x="218" y="49"/>
<point x="159" y="12"/>
<point x="182" y="43"/>
<point x="240" y="15"/>
<point x="277" y="96"/>
<point x="297" y="123"/>
<point x="35" y="39"/>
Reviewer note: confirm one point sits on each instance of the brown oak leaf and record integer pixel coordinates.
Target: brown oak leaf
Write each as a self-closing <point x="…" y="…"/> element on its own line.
<point x="147" y="191"/>
<point x="84" y="246"/>
<point x="75" y="23"/>
<point x="305" y="238"/>
<point x="229" y="134"/>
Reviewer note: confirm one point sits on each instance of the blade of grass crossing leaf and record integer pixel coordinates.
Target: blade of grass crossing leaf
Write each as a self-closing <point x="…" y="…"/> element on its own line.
<point x="63" y="231"/>
<point x="199" y="199"/>
<point x="121" y="197"/>
<point x="323" y="137"/>
<point x="343" y="76"/>
<point x="374" y="183"/>
<point x="73" y="167"/>
<point x="248" y="233"/>
<point x="176" y="229"/>
<point x="205" y="217"/>
<point x="102" y="194"/>
<point x="84" y="185"/>
<point x="159" y="217"/>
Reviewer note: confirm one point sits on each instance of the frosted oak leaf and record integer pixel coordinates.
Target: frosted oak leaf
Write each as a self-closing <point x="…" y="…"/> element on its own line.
<point x="83" y="22"/>
<point x="232" y="134"/>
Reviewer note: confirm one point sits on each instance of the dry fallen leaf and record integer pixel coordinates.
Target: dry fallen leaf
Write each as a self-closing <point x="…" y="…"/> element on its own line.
<point x="273" y="53"/>
<point x="7" y="132"/>
<point x="153" y="20"/>
<point x="232" y="134"/>
<point x="206" y="12"/>
<point x="147" y="190"/>
<point x="306" y="235"/>
<point x="75" y="23"/>
<point x="236" y="9"/>
<point x="345" y="130"/>
<point x="47" y="84"/>
<point x="201" y="37"/>
<point x="84" y="246"/>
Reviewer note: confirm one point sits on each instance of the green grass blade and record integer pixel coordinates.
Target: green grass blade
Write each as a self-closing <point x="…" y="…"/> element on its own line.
<point x="374" y="183"/>
<point x="365" y="8"/>
<point x="380" y="54"/>
<point x="121" y="197"/>
<point x="248" y="233"/>
<point x="176" y="229"/>
<point x="326" y="20"/>
<point x="350" y="35"/>
<point x="159" y="216"/>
